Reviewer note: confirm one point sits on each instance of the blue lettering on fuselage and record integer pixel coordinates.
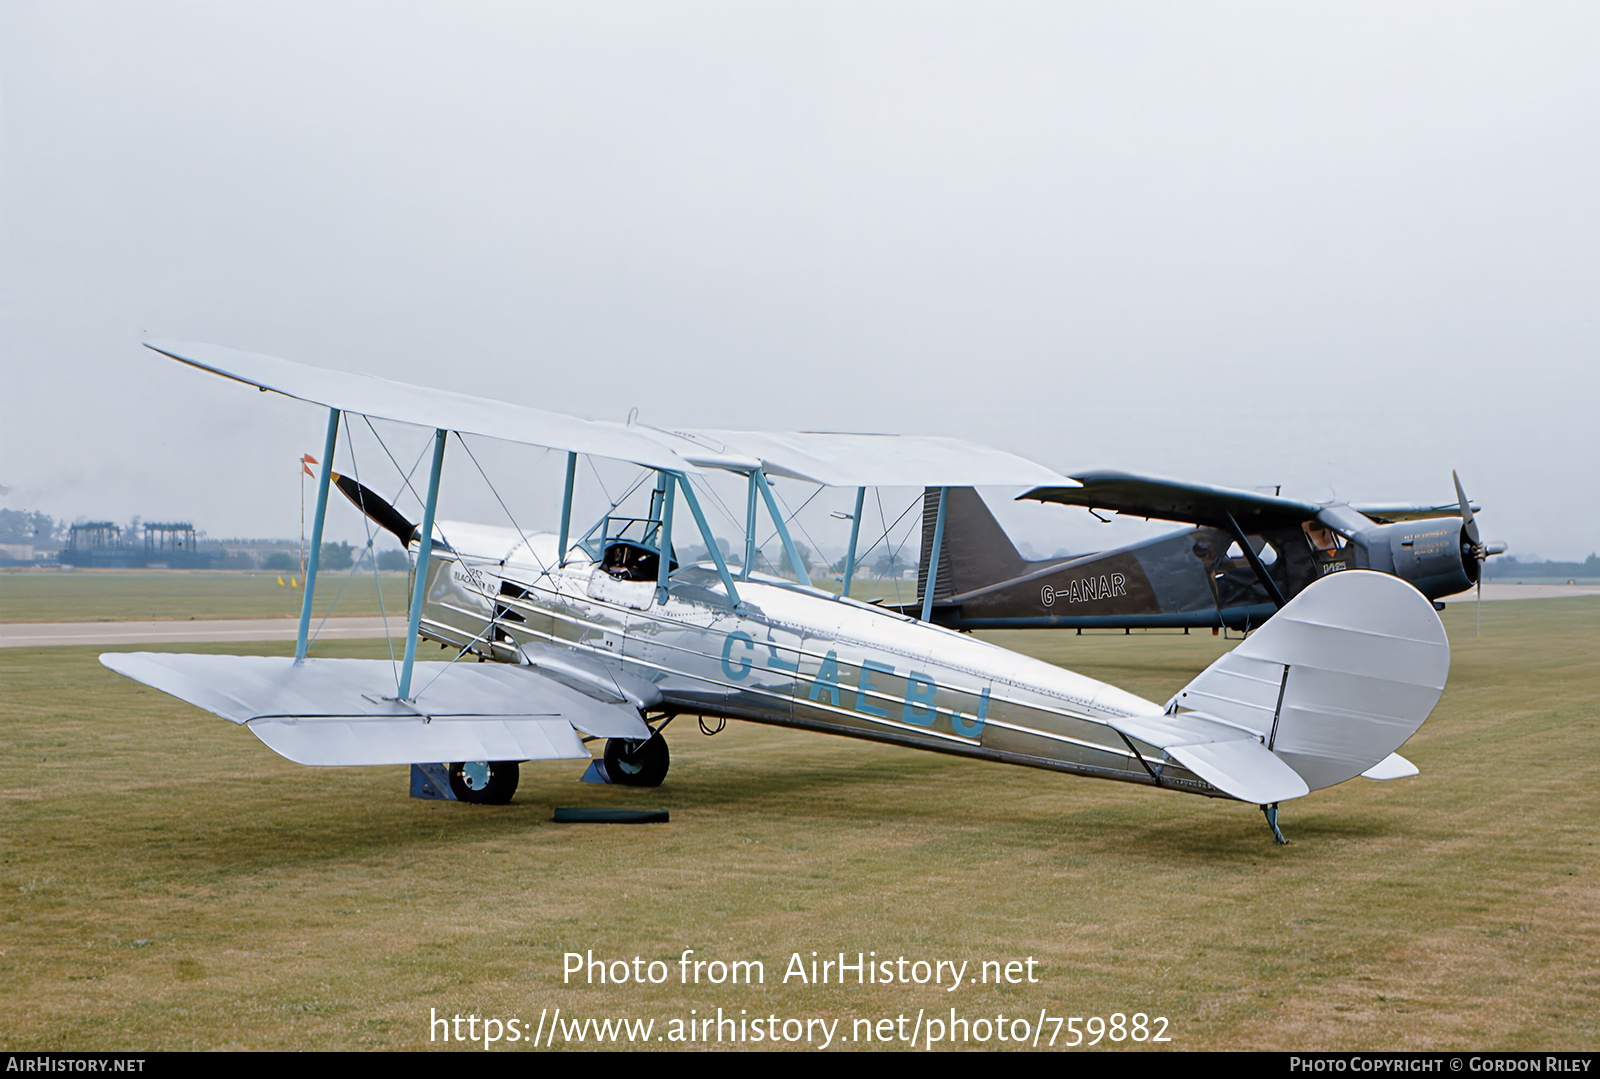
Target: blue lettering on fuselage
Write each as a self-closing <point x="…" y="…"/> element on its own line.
<point x="972" y="730"/>
<point x="744" y="660"/>
<point x="918" y="706"/>
<point x="865" y="686"/>
<point x="827" y="680"/>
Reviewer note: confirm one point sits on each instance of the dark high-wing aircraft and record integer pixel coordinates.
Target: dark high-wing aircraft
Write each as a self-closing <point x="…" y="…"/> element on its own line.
<point x="1246" y="555"/>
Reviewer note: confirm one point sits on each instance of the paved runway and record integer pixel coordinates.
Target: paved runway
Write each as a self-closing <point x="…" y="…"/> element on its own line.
<point x="38" y="634"/>
<point x="1529" y="591"/>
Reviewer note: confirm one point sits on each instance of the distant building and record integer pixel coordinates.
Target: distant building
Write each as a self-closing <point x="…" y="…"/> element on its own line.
<point x="103" y="545"/>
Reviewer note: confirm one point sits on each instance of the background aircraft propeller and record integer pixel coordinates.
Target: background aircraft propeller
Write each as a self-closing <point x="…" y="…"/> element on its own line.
<point x="1476" y="547"/>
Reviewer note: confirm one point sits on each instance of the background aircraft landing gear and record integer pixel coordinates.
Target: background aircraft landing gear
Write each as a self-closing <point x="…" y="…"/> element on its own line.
<point x="637" y="764"/>
<point x="489" y="783"/>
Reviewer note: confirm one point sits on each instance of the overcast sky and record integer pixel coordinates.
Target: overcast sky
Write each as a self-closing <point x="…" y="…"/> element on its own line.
<point x="1343" y="248"/>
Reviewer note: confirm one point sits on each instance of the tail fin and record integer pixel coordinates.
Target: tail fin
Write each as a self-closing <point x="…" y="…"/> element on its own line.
<point x="976" y="551"/>
<point x="1336" y="681"/>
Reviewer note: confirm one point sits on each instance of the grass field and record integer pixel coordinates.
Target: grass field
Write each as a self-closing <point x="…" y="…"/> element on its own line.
<point x="169" y="883"/>
<point x="109" y="595"/>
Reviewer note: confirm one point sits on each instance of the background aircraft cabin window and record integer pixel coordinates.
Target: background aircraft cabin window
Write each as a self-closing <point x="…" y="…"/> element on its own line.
<point x="1325" y="541"/>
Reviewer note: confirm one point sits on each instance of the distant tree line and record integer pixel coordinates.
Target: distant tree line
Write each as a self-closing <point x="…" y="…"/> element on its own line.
<point x="20" y="526"/>
<point x="1508" y="566"/>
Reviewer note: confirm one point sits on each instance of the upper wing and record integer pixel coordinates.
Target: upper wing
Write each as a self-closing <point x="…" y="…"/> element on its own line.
<point x="1173" y="500"/>
<point x="343" y="711"/>
<point x="838" y="460"/>
<point x="369" y="395"/>
<point x="845" y="459"/>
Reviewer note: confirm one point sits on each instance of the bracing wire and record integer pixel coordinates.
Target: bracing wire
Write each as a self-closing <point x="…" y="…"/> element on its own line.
<point x="464" y="650"/>
<point x="367" y="526"/>
<point x="862" y="557"/>
<point x="525" y="541"/>
<point x="794" y="518"/>
<point x="405" y="476"/>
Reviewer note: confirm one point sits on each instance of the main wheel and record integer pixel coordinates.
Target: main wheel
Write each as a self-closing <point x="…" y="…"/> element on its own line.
<point x="490" y="783"/>
<point x="637" y="764"/>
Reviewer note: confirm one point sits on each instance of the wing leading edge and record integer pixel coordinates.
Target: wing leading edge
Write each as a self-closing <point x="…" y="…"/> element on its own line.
<point x="343" y="711"/>
<point x="380" y="398"/>
<point x="827" y="458"/>
<point x="1174" y="500"/>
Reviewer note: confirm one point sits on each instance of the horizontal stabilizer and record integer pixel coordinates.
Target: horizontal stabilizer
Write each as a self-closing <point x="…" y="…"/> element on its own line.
<point x="1232" y="760"/>
<point x="343" y="711"/>
<point x="1394" y="766"/>
<point x="1245" y="769"/>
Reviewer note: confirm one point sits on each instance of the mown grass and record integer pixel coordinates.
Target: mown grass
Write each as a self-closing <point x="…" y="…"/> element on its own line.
<point x="166" y="882"/>
<point x="113" y="596"/>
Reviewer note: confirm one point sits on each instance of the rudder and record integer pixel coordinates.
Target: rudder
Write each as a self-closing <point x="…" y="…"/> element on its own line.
<point x="1337" y="680"/>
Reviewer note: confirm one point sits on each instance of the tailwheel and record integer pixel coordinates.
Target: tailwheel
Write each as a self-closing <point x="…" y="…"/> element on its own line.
<point x="637" y="763"/>
<point x="490" y="783"/>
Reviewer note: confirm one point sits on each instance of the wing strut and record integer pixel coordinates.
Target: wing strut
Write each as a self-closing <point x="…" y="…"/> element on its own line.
<point x="665" y="489"/>
<point x="424" y="553"/>
<point x="749" y="529"/>
<point x="323" y="479"/>
<point x="711" y="540"/>
<point x="566" y="508"/>
<point x="855" y="534"/>
<point x="1255" y="561"/>
<point x="777" y="518"/>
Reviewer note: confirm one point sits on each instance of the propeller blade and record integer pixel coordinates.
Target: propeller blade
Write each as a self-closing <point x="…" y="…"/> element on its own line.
<point x="1469" y="527"/>
<point x="373" y="505"/>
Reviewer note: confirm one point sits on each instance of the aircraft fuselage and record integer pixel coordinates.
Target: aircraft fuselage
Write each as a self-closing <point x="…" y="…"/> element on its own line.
<point x="792" y="657"/>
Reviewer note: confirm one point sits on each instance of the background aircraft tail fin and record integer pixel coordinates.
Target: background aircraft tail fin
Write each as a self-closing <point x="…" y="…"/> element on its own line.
<point x="1336" y="681"/>
<point x="976" y="550"/>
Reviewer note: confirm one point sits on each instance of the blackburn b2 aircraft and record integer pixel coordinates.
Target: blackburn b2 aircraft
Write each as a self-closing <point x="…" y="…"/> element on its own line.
<point x="607" y="636"/>
<point x="1246" y="557"/>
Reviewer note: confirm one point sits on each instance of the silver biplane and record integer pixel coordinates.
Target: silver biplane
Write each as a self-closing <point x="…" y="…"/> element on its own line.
<point x="606" y="636"/>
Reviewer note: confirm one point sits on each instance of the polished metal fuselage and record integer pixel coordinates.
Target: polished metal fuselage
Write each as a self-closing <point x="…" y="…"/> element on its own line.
<point x="787" y="655"/>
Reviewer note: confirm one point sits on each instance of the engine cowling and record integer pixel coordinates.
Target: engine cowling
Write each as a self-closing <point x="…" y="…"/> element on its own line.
<point x="1434" y="554"/>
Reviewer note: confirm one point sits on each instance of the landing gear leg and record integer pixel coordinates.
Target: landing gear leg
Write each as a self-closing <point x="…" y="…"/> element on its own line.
<point x="1271" y="813"/>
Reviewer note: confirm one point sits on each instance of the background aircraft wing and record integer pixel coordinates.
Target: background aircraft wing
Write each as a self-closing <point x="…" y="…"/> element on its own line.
<point x="342" y="711"/>
<point x="1389" y="513"/>
<point x="368" y="395"/>
<point x="1173" y="500"/>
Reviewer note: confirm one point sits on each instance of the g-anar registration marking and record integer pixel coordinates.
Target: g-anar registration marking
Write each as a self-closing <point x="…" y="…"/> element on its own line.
<point x="608" y="637"/>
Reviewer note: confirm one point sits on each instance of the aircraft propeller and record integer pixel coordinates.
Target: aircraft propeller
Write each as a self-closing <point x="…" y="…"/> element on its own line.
<point x="376" y="508"/>
<point x="1477" y="548"/>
